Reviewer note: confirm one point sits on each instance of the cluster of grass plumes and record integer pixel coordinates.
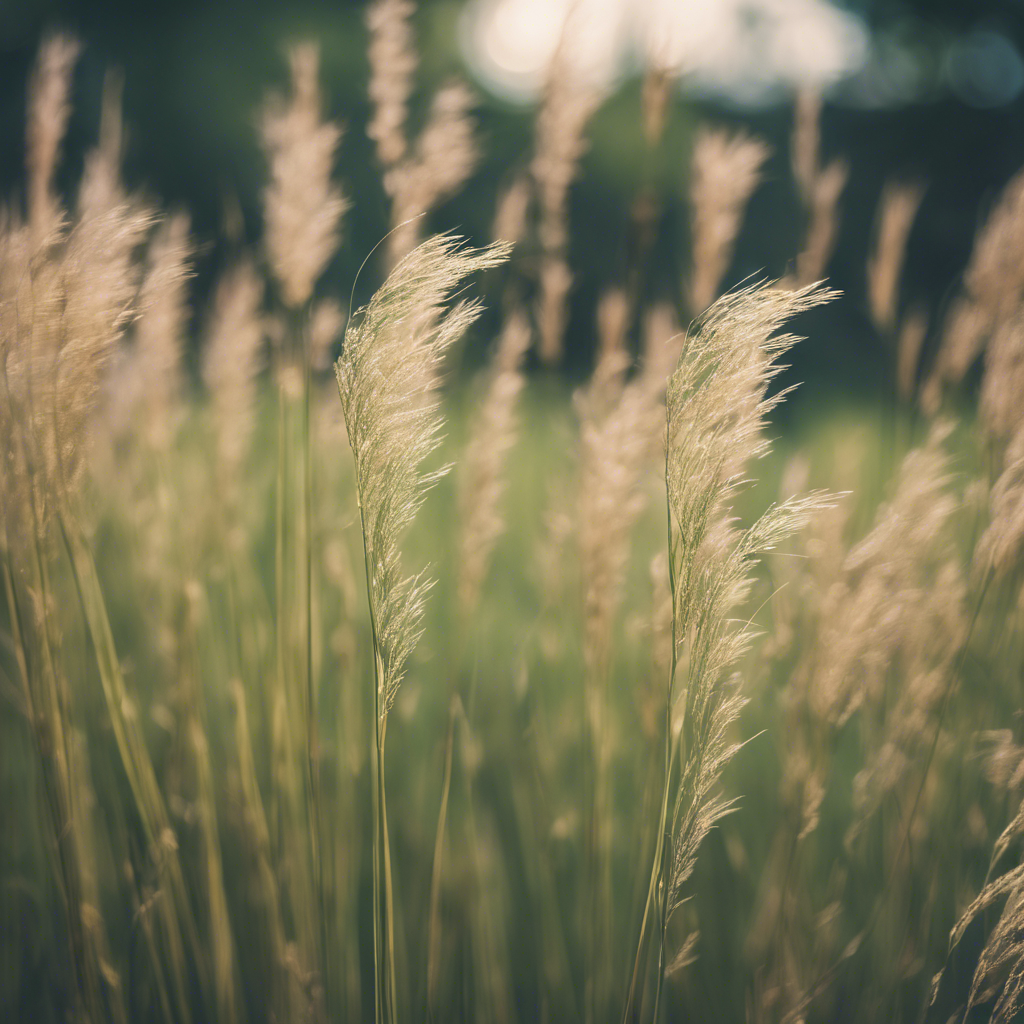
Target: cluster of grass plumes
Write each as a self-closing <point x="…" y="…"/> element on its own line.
<point x="661" y="747"/>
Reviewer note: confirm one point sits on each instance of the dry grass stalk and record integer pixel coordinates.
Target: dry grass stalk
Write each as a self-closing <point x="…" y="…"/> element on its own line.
<point x="386" y="380"/>
<point x="392" y="58"/>
<point x="784" y="937"/>
<point x="806" y="141"/>
<point x="1001" y="402"/>
<point x="1002" y="542"/>
<point x="64" y="310"/>
<point x="303" y="208"/>
<point x="823" y="222"/>
<point x="725" y="171"/>
<point x="303" y="211"/>
<point x="716" y="407"/>
<point x="993" y="289"/>
<point x="67" y="291"/>
<point x="101" y="188"/>
<point x="445" y="155"/>
<point x="511" y="211"/>
<point x="48" y="113"/>
<point x="555" y="282"/>
<point x="716" y="404"/>
<point x="231" y="360"/>
<point x="160" y="331"/>
<point x="620" y="427"/>
<point x="416" y="176"/>
<point x="871" y="613"/>
<point x="887" y="622"/>
<point x="963" y="336"/>
<point x="482" y="476"/>
<point x="994" y="278"/>
<point x="613" y="316"/>
<point x="896" y="211"/>
<point x="909" y="345"/>
<point x="559" y="145"/>
<point x="999" y="975"/>
<point x="33" y="487"/>
<point x="619" y="431"/>
<point x="819" y="187"/>
<point x="386" y="377"/>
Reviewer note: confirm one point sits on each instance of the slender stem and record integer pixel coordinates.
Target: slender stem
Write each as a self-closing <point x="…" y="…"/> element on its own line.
<point x="383" y="988"/>
<point x="389" y="906"/>
<point x="656" y="889"/>
<point x="590" y="814"/>
<point x="280" y="602"/>
<point x="663" y="914"/>
<point x="378" y="958"/>
<point x="312" y="720"/>
<point x="434" y="925"/>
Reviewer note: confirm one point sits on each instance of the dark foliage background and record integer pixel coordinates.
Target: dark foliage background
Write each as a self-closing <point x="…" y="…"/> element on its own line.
<point x="195" y="72"/>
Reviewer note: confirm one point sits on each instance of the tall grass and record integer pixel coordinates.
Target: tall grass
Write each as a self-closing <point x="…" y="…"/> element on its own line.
<point x="681" y="728"/>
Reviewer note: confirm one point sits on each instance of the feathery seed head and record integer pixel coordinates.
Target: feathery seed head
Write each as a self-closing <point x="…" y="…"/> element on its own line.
<point x="894" y="592"/>
<point x="993" y="291"/>
<point x="491" y="436"/>
<point x="160" y="330"/>
<point x="716" y="397"/>
<point x="1001" y="544"/>
<point x="620" y="428"/>
<point x="303" y="209"/>
<point x="48" y="112"/>
<point x="392" y="64"/>
<point x="559" y="145"/>
<point x="100" y="188"/>
<point x="511" y="211"/>
<point x="716" y="404"/>
<point x="1001" y="403"/>
<point x="896" y="211"/>
<point x="386" y="376"/>
<point x="231" y="360"/>
<point x="994" y="277"/>
<point x="913" y="331"/>
<point x="823" y="225"/>
<point x="806" y="140"/>
<point x="966" y="327"/>
<point x="726" y="168"/>
<point x="445" y="155"/>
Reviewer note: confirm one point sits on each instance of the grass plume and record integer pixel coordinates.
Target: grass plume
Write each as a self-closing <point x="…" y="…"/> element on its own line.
<point x="385" y="376"/>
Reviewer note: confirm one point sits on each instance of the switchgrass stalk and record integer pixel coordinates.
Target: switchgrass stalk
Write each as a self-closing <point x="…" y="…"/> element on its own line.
<point x="383" y="919"/>
<point x="598" y="899"/>
<point x="386" y="381"/>
<point x="434" y="920"/>
<point x="264" y="854"/>
<point x="50" y="725"/>
<point x="175" y="912"/>
<point x="657" y="888"/>
<point x="295" y="700"/>
<point x="905" y="835"/>
<point x="312" y="716"/>
<point x="555" y="979"/>
<point x="222" y="940"/>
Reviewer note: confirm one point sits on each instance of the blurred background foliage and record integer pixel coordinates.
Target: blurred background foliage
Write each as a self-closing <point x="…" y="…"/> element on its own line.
<point x="938" y="97"/>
